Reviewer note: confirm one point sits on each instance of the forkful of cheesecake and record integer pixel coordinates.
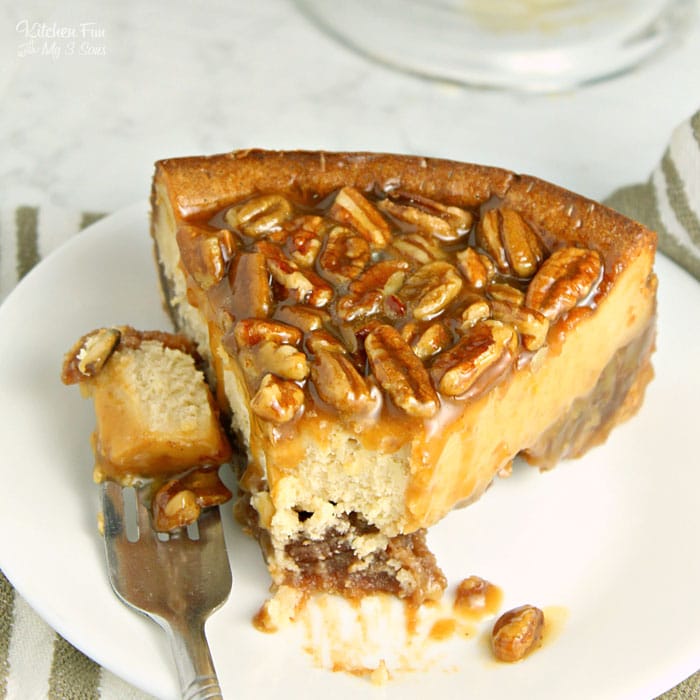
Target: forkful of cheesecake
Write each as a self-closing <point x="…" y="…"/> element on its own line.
<point x="158" y="446"/>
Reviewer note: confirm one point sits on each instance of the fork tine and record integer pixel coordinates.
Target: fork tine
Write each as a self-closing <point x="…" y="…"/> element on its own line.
<point x="113" y="509"/>
<point x="143" y="515"/>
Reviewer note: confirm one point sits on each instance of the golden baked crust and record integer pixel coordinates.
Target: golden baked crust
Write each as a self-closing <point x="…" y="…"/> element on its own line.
<point x="570" y="330"/>
<point x="201" y="185"/>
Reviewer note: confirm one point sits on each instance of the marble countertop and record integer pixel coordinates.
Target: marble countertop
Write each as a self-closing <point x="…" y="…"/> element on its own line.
<point x="83" y="121"/>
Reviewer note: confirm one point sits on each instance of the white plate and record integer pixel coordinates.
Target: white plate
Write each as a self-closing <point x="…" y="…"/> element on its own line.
<point x="613" y="537"/>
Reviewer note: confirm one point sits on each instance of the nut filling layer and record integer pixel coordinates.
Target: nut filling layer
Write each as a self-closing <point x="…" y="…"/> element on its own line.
<point x="402" y="565"/>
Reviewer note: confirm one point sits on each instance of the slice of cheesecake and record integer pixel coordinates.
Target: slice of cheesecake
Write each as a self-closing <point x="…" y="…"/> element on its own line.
<point x="157" y="426"/>
<point x="387" y="333"/>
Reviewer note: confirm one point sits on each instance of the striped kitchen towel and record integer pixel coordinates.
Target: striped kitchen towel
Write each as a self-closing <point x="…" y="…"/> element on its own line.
<point x="37" y="663"/>
<point x="669" y="201"/>
<point x="30" y="233"/>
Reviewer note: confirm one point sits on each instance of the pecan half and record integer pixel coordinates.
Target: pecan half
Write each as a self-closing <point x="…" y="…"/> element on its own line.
<point x="353" y="209"/>
<point x="323" y="340"/>
<point x="260" y="215"/>
<point x="179" y="502"/>
<point x="306" y="318"/>
<point x="510" y="241"/>
<point x="251" y="331"/>
<point x="269" y="347"/>
<point x="303" y="286"/>
<point x="476" y="309"/>
<point x="418" y="248"/>
<point x="352" y="336"/>
<point x="97" y="347"/>
<point x="338" y="383"/>
<point x="447" y="223"/>
<point x="517" y="632"/>
<point x="89" y="355"/>
<point x="277" y="400"/>
<point x="345" y="255"/>
<point x="478" y="269"/>
<point x="475" y="597"/>
<point x="366" y="294"/>
<point x="505" y="292"/>
<point x="249" y="280"/>
<point x="205" y="254"/>
<point x="456" y="370"/>
<point x="400" y="373"/>
<point x="434" y="339"/>
<point x="303" y="239"/>
<point x="431" y="289"/>
<point x="565" y="279"/>
<point x="410" y="331"/>
<point x="532" y="325"/>
<point x="271" y="357"/>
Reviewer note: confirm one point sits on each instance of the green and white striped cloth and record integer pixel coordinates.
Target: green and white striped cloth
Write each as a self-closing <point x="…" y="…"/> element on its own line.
<point x="37" y="663"/>
<point x="669" y="201"/>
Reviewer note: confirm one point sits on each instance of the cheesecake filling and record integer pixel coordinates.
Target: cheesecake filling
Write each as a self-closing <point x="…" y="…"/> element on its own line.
<point x="352" y="557"/>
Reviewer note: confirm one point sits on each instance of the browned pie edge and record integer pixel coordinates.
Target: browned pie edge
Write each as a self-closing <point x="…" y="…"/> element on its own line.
<point x="202" y="185"/>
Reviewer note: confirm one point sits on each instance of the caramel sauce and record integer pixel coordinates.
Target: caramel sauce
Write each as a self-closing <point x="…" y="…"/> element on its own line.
<point x="241" y="298"/>
<point x="261" y="621"/>
<point x="345" y="635"/>
<point x="442" y="629"/>
<point x="555" y="617"/>
<point x="476" y="598"/>
<point x="561" y="329"/>
<point x="412" y="617"/>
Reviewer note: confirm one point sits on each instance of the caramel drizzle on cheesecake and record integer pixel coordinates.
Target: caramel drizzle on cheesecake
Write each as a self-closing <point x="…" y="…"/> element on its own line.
<point x="398" y="304"/>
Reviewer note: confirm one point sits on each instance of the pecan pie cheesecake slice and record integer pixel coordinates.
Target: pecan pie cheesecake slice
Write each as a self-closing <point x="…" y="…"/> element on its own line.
<point x="387" y="333"/>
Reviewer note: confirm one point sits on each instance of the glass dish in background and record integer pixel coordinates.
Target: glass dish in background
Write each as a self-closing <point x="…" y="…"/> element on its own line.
<point x="527" y="45"/>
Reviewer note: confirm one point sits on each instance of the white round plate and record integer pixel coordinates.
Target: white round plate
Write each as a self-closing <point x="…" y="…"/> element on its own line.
<point x="612" y="538"/>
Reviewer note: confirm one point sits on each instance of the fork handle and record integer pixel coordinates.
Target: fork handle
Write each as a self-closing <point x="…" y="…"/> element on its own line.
<point x="195" y="667"/>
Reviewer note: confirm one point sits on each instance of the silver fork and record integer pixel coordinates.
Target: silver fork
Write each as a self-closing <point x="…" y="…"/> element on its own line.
<point x="176" y="580"/>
